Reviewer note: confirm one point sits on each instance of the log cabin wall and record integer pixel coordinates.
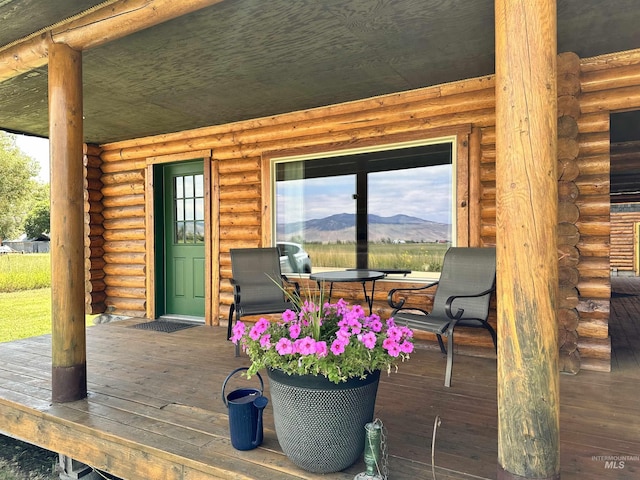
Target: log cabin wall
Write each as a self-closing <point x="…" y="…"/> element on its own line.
<point x="94" y="241"/>
<point x="625" y="207"/>
<point x="237" y="165"/>
<point x="608" y="83"/>
<point x="124" y="237"/>
<point x="237" y="162"/>
<point x="568" y="233"/>
<point x="624" y="220"/>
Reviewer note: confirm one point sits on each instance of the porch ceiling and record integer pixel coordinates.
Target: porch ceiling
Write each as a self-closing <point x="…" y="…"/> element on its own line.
<point x="243" y="59"/>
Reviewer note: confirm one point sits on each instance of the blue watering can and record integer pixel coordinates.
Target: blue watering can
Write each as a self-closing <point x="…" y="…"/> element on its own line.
<point x="245" y="413"/>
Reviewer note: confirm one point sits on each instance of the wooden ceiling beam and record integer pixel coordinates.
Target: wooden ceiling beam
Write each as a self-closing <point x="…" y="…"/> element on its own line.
<point x="96" y="27"/>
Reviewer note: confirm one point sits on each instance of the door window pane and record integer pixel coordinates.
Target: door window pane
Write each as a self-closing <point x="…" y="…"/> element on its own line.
<point x="189" y="209"/>
<point x="199" y="186"/>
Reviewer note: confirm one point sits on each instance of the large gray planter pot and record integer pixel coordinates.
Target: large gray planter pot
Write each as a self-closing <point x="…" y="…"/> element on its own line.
<point x="320" y="424"/>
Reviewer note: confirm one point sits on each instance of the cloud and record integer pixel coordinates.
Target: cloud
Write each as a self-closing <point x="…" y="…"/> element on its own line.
<point x="421" y="192"/>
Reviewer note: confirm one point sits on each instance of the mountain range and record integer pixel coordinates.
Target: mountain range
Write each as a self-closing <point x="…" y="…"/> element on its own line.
<point x="341" y="227"/>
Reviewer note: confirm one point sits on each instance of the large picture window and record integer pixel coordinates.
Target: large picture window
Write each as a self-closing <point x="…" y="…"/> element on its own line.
<point x="393" y="208"/>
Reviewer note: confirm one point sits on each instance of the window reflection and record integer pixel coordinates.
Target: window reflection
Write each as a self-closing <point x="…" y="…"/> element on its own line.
<point x="392" y="209"/>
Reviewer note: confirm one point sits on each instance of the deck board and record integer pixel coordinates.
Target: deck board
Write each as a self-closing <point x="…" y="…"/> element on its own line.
<point x="155" y="408"/>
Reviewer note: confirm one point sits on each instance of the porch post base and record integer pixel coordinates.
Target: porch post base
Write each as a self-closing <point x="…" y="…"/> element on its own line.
<point x="505" y="475"/>
<point x="69" y="383"/>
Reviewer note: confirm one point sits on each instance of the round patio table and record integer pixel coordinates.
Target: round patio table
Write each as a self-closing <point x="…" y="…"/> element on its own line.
<point x="350" y="276"/>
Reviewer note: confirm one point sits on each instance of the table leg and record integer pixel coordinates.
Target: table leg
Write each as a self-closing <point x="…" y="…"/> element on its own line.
<point x="319" y="283"/>
<point x="369" y="299"/>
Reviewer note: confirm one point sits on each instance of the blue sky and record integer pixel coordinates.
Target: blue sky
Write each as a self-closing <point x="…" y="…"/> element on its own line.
<point x="424" y="194"/>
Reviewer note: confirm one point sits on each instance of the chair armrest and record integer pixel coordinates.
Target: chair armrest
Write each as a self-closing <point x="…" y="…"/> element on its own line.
<point x="398" y="305"/>
<point x="236" y="291"/>
<point x="449" y="303"/>
<point x="295" y="285"/>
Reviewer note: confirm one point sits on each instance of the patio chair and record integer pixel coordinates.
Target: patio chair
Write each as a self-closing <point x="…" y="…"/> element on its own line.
<point x="258" y="284"/>
<point x="461" y="298"/>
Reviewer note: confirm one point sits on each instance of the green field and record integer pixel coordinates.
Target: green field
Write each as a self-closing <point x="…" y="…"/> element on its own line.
<point x="25" y="314"/>
<point x="24" y="272"/>
<point x="417" y="257"/>
<point x="25" y="296"/>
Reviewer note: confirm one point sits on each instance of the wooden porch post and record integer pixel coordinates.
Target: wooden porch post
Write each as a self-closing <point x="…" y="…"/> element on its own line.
<point x="527" y="279"/>
<point x="69" y="377"/>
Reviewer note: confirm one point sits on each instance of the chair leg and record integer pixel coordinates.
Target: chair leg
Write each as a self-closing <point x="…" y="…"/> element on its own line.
<point x="232" y="308"/>
<point x="447" y="376"/>
<point x="494" y="337"/>
<point x="229" y="325"/>
<point x="237" y="344"/>
<point x="442" y="349"/>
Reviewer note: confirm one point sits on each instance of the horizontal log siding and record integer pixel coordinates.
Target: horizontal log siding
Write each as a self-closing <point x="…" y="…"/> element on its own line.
<point x="569" y="213"/>
<point x="95" y="294"/>
<point x="238" y="148"/>
<point x="593" y="287"/>
<point x="624" y="160"/>
<point x="608" y="83"/>
<point x="623" y="241"/>
<point x="124" y="237"/>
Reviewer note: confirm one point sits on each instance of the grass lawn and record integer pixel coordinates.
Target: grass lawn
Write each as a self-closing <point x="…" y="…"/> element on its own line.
<point x="26" y="314"/>
<point x="25" y="311"/>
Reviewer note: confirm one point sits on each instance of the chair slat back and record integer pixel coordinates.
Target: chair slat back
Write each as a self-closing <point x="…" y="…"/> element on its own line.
<point x="257" y="271"/>
<point x="465" y="271"/>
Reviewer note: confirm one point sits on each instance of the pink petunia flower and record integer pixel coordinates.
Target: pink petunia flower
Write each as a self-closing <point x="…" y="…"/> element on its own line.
<point x="255" y="333"/>
<point x="406" y="347"/>
<point x="391" y="346"/>
<point x="238" y="331"/>
<point x="358" y="311"/>
<point x="262" y="325"/>
<point x="306" y="346"/>
<point x="395" y="333"/>
<point x="288" y="315"/>
<point x="321" y="349"/>
<point x="284" y="346"/>
<point x="294" y="330"/>
<point x="376" y="325"/>
<point x="394" y="350"/>
<point x="265" y="341"/>
<point x="355" y="325"/>
<point x="343" y="334"/>
<point x="407" y="332"/>
<point x="369" y="340"/>
<point x="337" y="347"/>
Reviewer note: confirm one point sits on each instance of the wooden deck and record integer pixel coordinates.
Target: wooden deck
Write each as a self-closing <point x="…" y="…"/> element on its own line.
<point x="155" y="409"/>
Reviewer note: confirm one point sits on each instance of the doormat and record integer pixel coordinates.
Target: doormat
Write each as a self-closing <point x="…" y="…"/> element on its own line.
<point x="163" y="326"/>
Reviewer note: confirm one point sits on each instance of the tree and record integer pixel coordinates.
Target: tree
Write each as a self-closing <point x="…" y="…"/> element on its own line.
<point x="17" y="172"/>
<point x="38" y="220"/>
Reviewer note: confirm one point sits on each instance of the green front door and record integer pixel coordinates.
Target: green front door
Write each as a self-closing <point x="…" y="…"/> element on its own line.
<point x="184" y="227"/>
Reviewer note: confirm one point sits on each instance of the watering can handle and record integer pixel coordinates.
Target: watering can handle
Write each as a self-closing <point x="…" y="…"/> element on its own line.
<point x="224" y="385"/>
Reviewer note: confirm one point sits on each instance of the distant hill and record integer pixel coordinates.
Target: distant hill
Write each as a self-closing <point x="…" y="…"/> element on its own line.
<point x="341" y="227"/>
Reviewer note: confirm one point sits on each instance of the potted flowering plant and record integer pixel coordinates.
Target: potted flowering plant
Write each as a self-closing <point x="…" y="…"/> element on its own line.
<point x="323" y="362"/>
<point x="337" y="341"/>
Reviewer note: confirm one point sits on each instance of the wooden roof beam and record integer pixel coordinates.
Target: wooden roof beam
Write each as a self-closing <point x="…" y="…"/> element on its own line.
<point x="95" y="27"/>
